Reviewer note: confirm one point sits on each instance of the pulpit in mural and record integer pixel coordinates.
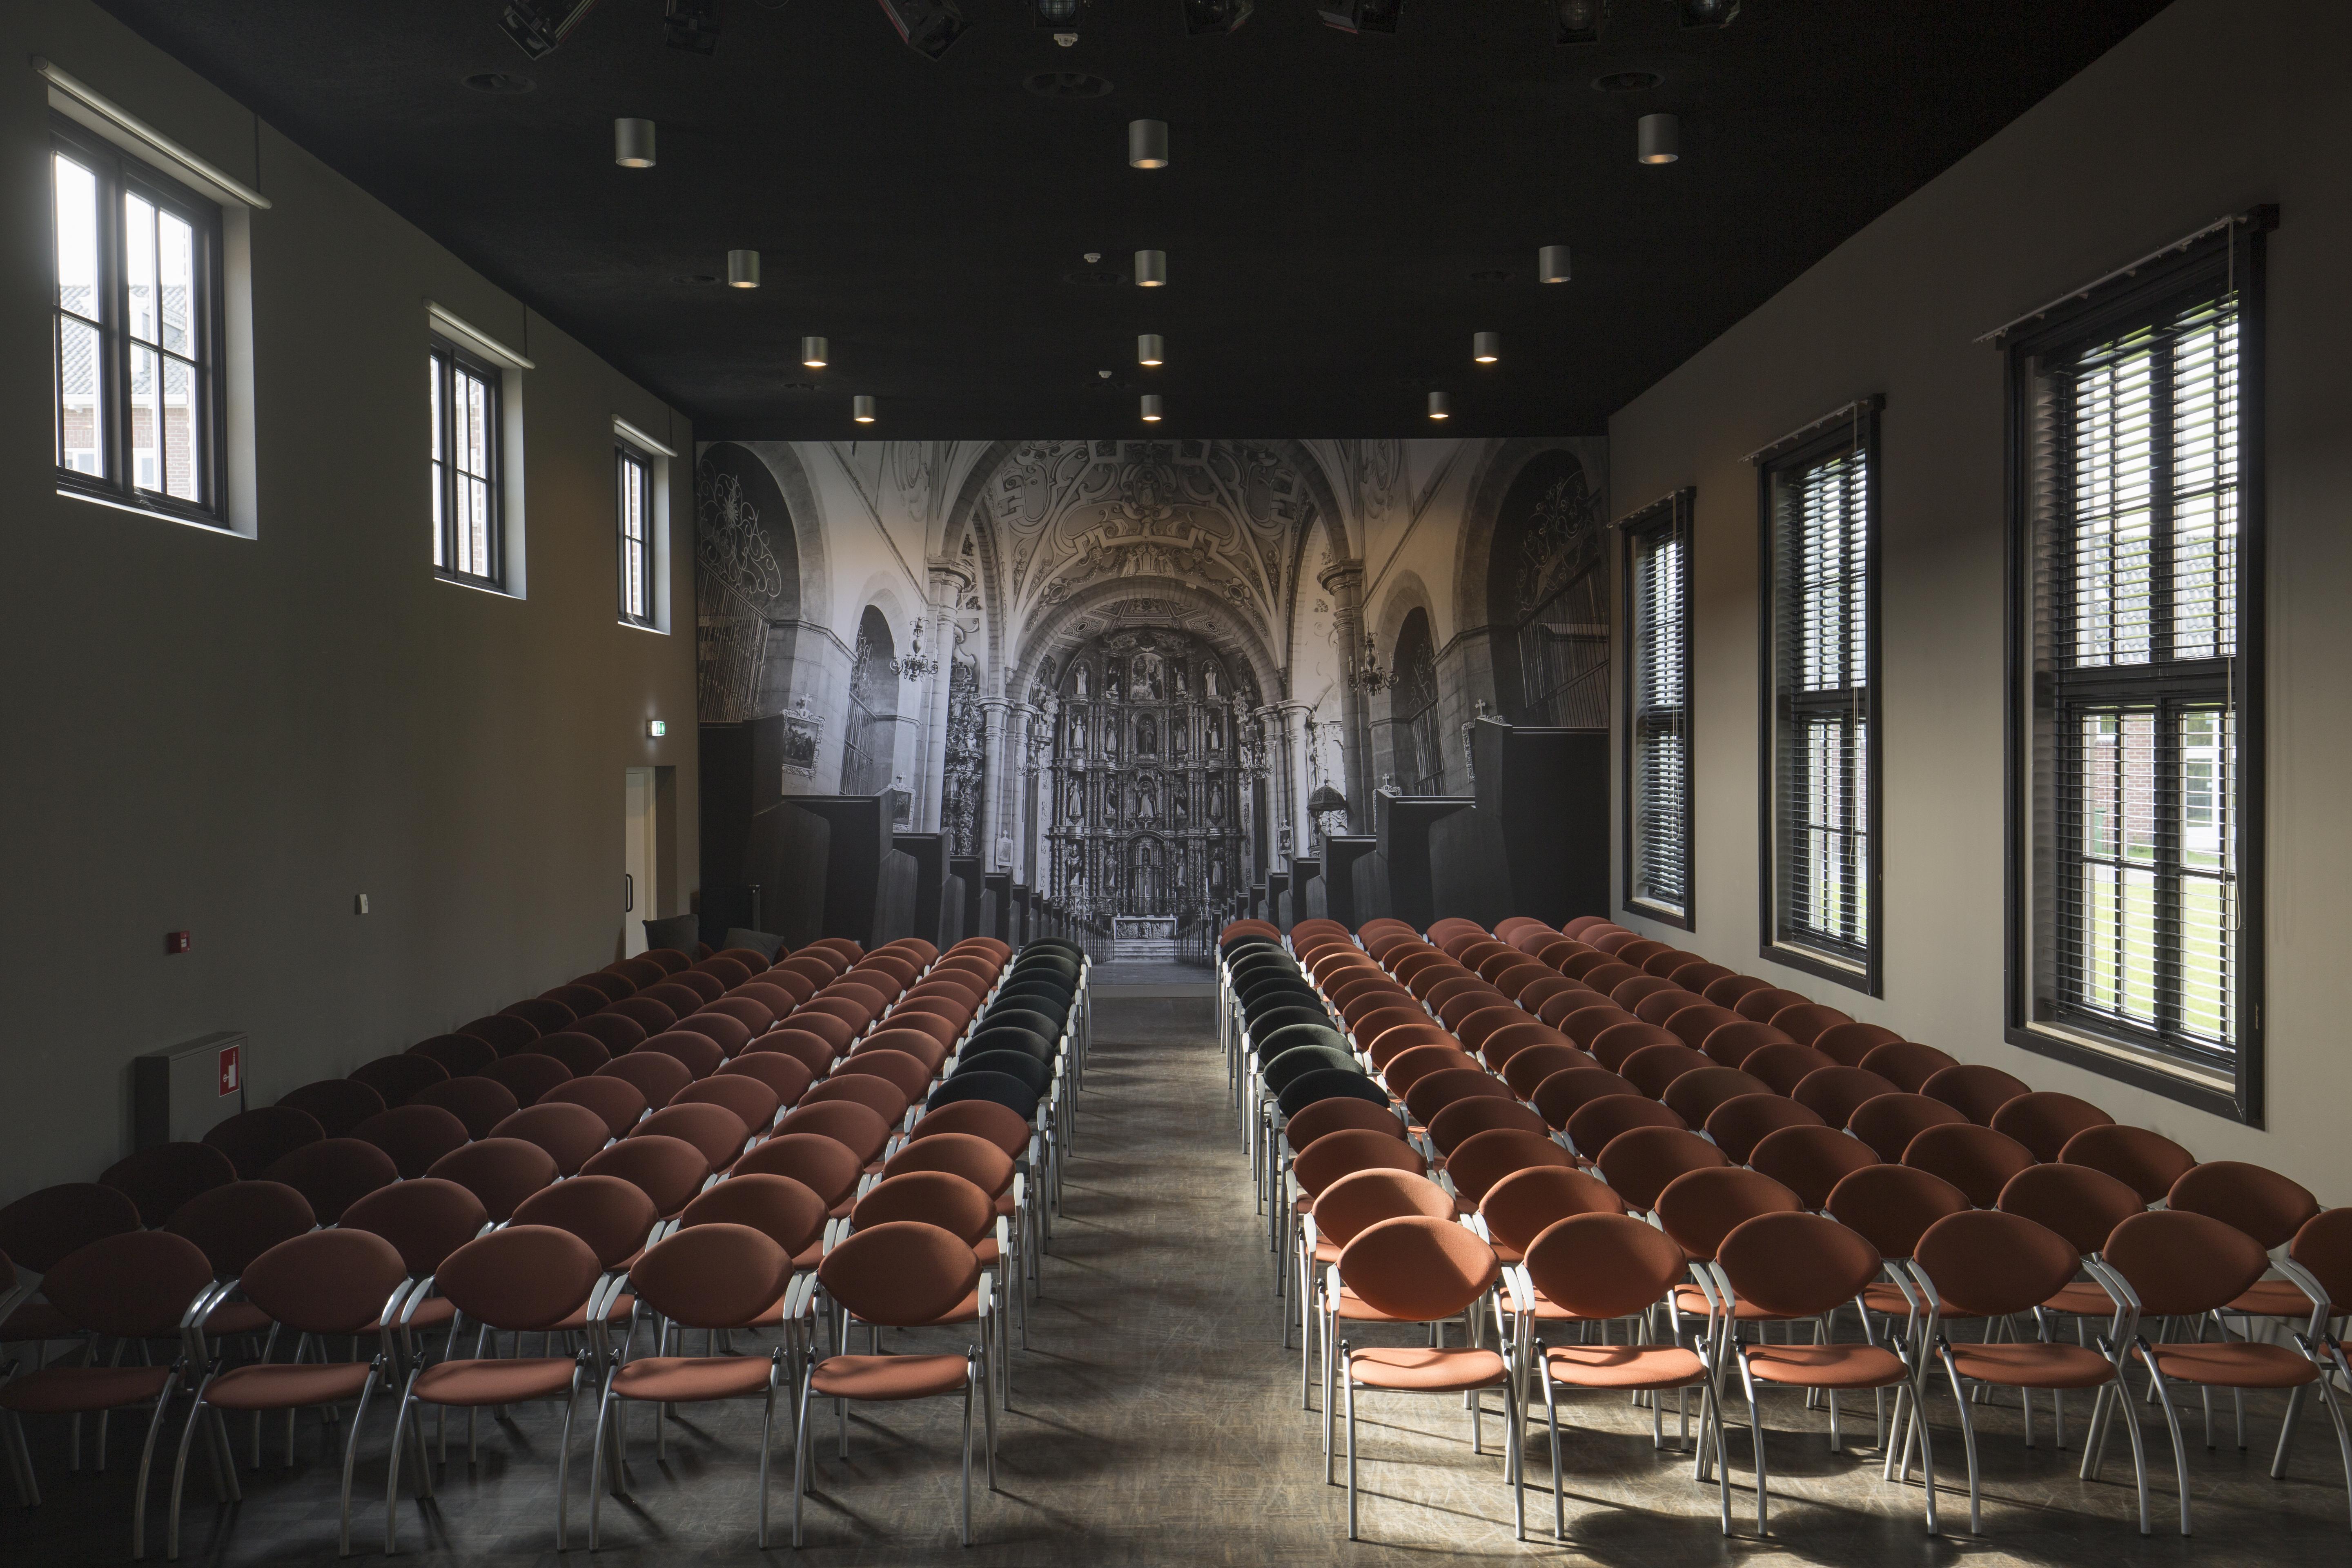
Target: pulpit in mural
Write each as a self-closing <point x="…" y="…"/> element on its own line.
<point x="1147" y="816"/>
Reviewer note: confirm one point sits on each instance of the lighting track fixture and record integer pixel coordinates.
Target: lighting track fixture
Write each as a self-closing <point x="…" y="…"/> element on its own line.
<point x="691" y="26"/>
<point x="930" y="28"/>
<point x="536" y="26"/>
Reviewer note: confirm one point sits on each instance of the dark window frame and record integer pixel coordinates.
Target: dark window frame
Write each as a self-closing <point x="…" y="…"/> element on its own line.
<point x="626" y="456"/>
<point x="1861" y="966"/>
<point x="2146" y="295"/>
<point x="118" y="173"/>
<point x="1668" y="518"/>
<point x="446" y="358"/>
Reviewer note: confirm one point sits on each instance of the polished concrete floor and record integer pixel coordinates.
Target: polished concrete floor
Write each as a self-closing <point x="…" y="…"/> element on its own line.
<point x="1157" y="1420"/>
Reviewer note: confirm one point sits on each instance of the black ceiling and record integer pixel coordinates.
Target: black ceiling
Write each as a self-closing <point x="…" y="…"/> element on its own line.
<point x="1342" y="212"/>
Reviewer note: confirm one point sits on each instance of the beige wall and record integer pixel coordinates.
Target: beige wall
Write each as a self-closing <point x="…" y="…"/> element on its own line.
<point x="2214" y="107"/>
<point x="233" y="737"/>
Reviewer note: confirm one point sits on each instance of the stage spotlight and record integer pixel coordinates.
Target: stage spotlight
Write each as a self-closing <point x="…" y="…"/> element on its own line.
<point x="1215" y="16"/>
<point x="691" y="26"/>
<point x="930" y="28"/>
<point x="1708" y="12"/>
<point x="537" y="26"/>
<point x="1361" y="15"/>
<point x="1579" y="21"/>
<point x="1059" y="17"/>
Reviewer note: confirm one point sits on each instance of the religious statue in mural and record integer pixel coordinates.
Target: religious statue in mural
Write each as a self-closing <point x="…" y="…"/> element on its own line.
<point x="1151" y="677"/>
<point x="1147" y="736"/>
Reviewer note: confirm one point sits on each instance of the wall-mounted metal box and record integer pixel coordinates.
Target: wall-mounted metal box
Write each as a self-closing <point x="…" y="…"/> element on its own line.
<point x="179" y="1093"/>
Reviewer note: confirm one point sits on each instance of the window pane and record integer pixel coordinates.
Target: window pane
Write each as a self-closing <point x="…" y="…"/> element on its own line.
<point x="2205" y="488"/>
<point x="77" y="237"/>
<point x="433" y="374"/>
<point x="146" y="418"/>
<point x="176" y="268"/>
<point x="139" y="267"/>
<point x="78" y="350"/>
<point x="80" y="413"/>
<point x="182" y="468"/>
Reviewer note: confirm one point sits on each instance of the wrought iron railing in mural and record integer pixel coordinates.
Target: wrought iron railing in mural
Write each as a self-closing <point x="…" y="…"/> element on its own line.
<point x="730" y="643"/>
<point x="1566" y="668"/>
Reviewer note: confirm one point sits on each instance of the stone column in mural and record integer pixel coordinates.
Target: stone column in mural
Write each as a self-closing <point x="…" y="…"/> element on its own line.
<point x="1344" y="581"/>
<point x="993" y="790"/>
<point x="963" y="774"/>
<point x="949" y="582"/>
<point x="1299" y="735"/>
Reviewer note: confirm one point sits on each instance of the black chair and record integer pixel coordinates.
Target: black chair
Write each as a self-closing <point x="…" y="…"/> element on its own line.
<point x="1002" y="1088"/>
<point x="1328" y="1083"/>
<point x="1038" y="1024"/>
<point x="1034" y="1075"/>
<point x="1274" y="1042"/>
<point x="1299" y="1060"/>
<point x="1027" y="1042"/>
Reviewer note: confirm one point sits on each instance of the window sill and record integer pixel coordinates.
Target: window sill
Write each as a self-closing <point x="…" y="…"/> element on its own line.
<point x="2204" y="1089"/>
<point x="477" y="585"/>
<point x="1661" y="914"/>
<point x="641" y="626"/>
<point x="203" y="525"/>
<point x="1837" y="971"/>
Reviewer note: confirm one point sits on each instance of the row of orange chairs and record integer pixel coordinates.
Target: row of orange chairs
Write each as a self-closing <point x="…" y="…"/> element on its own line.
<point x="1520" y="1138"/>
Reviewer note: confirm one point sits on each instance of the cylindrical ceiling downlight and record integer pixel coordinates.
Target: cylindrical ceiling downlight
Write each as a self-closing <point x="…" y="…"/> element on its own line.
<point x="815" y="353"/>
<point x="633" y="144"/>
<point x="1146" y="143"/>
<point x="861" y="409"/>
<point x="1152" y="408"/>
<point x="1150" y="349"/>
<point x="742" y="269"/>
<point x="1485" y="347"/>
<point x="1440" y="405"/>
<point x="1658" y="139"/>
<point x="1150" y="268"/>
<point x="1551" y="264"/>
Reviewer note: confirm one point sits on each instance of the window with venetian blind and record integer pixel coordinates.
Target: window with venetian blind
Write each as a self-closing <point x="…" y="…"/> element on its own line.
<point x="1820" y="765"/>
<point x="2136" y="530"/>
<point x="469" y="542"/>
<point x="634" y="491"/>
<point x="1658" y="724"/>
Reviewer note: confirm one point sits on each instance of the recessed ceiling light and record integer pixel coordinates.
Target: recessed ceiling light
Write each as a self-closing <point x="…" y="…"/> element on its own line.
<point x="502" y="83"/>
<point x="1067" y="84"/>
<point x="695" y="277"/>
<point x="1627" y="81"/>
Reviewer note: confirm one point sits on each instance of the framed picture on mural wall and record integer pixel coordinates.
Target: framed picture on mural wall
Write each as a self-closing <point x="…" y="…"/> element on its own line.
<point x="802" y="731"/>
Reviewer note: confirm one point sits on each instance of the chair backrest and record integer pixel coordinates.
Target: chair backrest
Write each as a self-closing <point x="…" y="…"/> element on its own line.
<point x="826" y="1166"/>
<point x="1805" y="1021"/>
<point x="425" y="1220"/>
<point x="1365" y="1197"/>
<point x="656" y="1075"/>
<point x="520" y="1277"/>
<point x="1615" y="1045"/>
<point x="1334" y="1115"/>
<point x="1661" y="1004"/>
<point x="1486" y="1157"/>
<point x="923" y="1047"/>
<point x="717" y="1134"/>
<point x="1518" y="1207"/>
<point x="695" y="1050"/>
<point x="574" y="1120"/>
<point x="236" y="1224"/>
<point x="1888" y="1122"/>
<point x="1631" y="993"/>
<point x="1584" y="1019"/>
<point x="1349" y="1150"/>
<point x="2324" y="1247"/>
<point x="414" y="1136"/>
<point x="458" y="1054"/>
<point x="1479" y="1025"/>
<point x="1726" y="989"/>
<point x="1394" y="1040"/>
<point x="503" y="1032"/>
<point x="1699" y="1208"/>
<point x="1602" y="1266"/>
<point x="1810" y="1160"/>
<point x="1298" y="1059"/>
<point x="899" y="1274"/>
<point x="326" y="1281"/>
<point x="973" y="1158"/>
<point x="1026" y="1069"/>
<point x="1741" y="1122"/>
<point x="2149" y="1163"/>
<point x="649" y="1012"/>
<point x="752" y="1102"/>
<point x="1432" y="1092"/>
<point x="1009" y="1091"/>
<point x="1597" y="1123"/>
<point x="501" y="1172"/>
<point x="159" y="1180"/>
<point x="787" y="1212"/>
<point x="1838" y="1093"/>
<point x="1975" y="1091"/>
<point x="669" y="1170"/>
<point x="1530" y="1066"/>
<point x="253" y="1140"/>
<point x="1850" y="1043"/>
<point x="334" y="1174"/>
<point x="810" y="1050"/>
<point x="396" y="1078"/>
<point x="1467" y="1117"/>
<point x="1977" y="1160"/>
<point x="1640" y="1161"/>
<point x="1416" y="1268"/>
<point x="1992" y="1264"/>
<point x="2266" y="1206"/>
<point x="478" y="1103"/>
<point x="616" y="1031"/>
<point x="2184" y="1265"/>
<point x="2083" y="1204"/>
<point x="48" y="1223"/>
<point x="1502" y="1044"/>
<point x="1733" y="1043"/>
<point x="1000" y="1124"/>
<point x="134" y="1284"/>
<point x="1893" y="1206"/>
<point x="1796" y="1264"/>
<point x="2045" y="1119"/>
<point x="545" y="1015"/>
<point x="1907" y="1064"/>
<point x="1653" y="1070"/>
<point x="340" y="1104"/>
<point x="1764" y="1005"/>
<point x="932" y="1197"/>
<point x="529" y="1075"/>
<point x="1561" y="1095"/>
<point x="1695" y="1093"/>
<point x="1409" y="1066"/>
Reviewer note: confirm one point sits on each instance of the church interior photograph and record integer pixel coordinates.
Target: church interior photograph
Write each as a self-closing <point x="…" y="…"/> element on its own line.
<point x="1160" y="782"/>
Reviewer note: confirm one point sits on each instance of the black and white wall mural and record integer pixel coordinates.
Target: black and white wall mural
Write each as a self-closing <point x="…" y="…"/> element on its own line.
<point x="1136" y="676"/>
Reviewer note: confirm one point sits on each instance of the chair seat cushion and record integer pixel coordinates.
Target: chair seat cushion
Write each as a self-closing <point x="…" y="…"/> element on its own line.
<point x="1624" y="1366"/>
<point x="2031" y="1365"/>
<point x="287" y="1386"/>
<point x="623" y="1305"/>
<point x="1353" y="1309"/>
<point x="2234" y="1365"/>
<point x="1692" y="1300"/>
<point x="2086" y="1299"/>
<point x="690" y="1380"/>
<point x="1547" y="1311"/>
<point x="966" y="1311"/>
<point x="1826" y="1366"/>
<point x="1419" y="1370"/>
<point x="63" y="1390"/>
<point x="237" y="1318"/>
<point x="433" y="1312"/>
<point x="2273" y="1299"/>
<point x="37" y="1321"/>
<point x="468" y="1383"/>
<point x="1886" y="1298"/>
<point x="880" y="1377"/>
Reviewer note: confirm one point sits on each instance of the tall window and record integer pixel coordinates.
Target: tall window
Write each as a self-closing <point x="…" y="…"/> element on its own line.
<point x="635" y="490"/>
<point x="1657" y="737"/>
<point x="2142" y="620"/>
<point x="136" y="332"/>
<point x="870" y="728"/>
<point x="466" y="438"/>
<point x="1420" y="754"/>
<point x="1820" y="730"/>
